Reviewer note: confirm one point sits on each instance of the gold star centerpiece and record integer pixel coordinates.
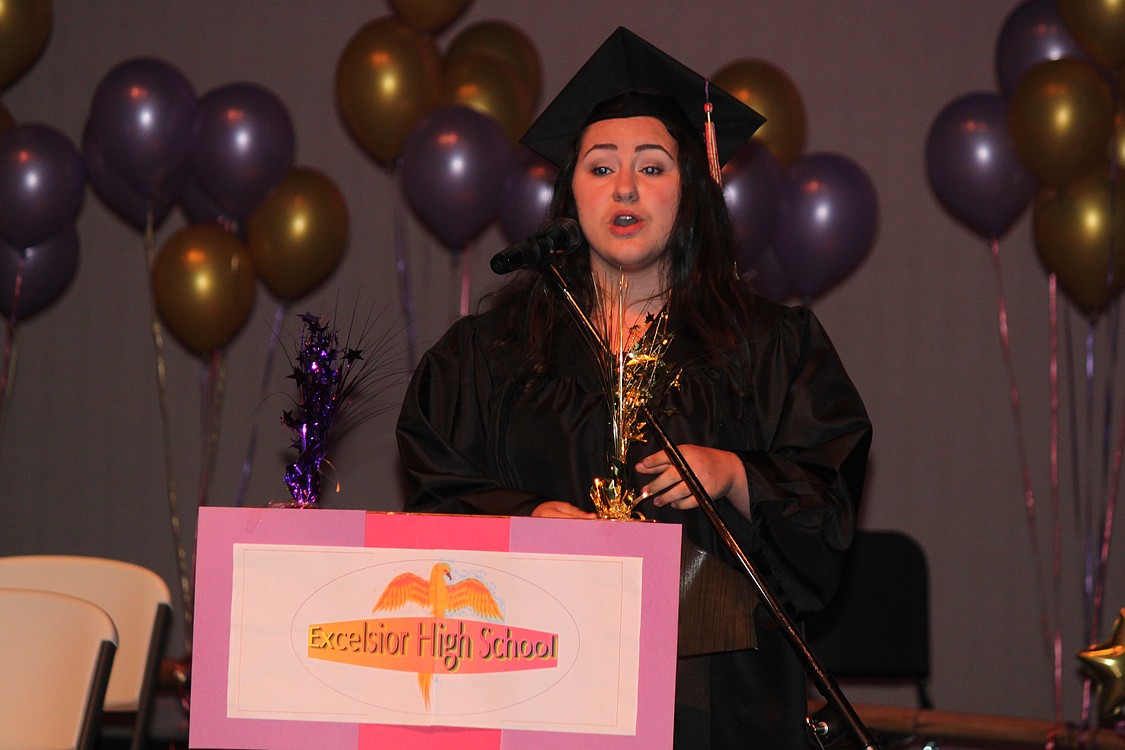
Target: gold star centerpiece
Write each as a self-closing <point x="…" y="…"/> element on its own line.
<point x="1105" y="664"/>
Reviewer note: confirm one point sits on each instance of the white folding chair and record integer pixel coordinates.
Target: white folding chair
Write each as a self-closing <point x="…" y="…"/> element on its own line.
<point x="137" y="600"/>
<point x="56" y="652"/>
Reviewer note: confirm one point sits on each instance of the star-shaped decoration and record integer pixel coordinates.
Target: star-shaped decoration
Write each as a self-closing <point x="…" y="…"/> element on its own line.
<point x="1105" y="663"/>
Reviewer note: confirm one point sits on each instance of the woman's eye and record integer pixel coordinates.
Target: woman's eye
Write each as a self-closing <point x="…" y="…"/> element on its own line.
<point x="599" y="171"/>
<point x="652" y="170"/>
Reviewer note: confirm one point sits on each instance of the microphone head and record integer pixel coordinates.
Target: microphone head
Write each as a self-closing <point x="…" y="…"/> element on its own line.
<point x="565" y="235"/>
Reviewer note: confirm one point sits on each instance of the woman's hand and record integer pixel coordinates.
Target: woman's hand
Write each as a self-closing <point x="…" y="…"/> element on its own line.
<point x="557" y="509"/>
<point x="720" y="472"/>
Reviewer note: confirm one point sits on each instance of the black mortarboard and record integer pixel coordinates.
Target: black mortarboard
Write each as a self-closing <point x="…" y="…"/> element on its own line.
<point x="628" y="77"/>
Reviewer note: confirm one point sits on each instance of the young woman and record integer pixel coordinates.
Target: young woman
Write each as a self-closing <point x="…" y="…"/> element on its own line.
<point x="507" y="413"/>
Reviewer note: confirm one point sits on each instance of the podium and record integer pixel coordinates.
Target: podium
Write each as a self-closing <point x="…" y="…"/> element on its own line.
<point x="304" y="636"/>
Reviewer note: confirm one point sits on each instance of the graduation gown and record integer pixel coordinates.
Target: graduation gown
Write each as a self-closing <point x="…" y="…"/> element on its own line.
<point x="477" y="436"/>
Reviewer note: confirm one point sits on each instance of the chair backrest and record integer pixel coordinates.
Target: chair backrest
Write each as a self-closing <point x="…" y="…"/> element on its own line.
<point x="56" y="652"/>
<point x="877" y="627"/>
<point x="135" y="597"/>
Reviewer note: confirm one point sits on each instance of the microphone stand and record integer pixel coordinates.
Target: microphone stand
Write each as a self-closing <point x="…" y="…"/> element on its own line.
<point x="818" y="728"/>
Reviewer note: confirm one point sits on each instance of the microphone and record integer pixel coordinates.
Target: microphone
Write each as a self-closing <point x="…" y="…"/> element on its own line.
<point x="560" y="237"/>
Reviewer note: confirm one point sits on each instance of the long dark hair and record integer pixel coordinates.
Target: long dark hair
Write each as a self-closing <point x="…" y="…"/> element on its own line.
<point x="705" y="293"/>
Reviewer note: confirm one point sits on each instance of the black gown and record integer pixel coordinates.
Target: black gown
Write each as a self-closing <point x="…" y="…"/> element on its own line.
<point x="476" y="437"/>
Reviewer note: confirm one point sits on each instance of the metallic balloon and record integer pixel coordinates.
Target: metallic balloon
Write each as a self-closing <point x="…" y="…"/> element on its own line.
<point x="1061" y="119"/>
<point x="42" y="184"/>
<point x="1099" y="26"/>
<point x="24" y="28"/>
<point x="1032" y="33"/>
<point x="492" y="87"/>
<point x="203" y="286"/>
<point x="525" y="199"/>
<point x="141" y="117"/>
<point x="428" y="15"/>
<point x="298" y="234"/>
<point x="48" y="268"/>
<point x="763" y="86"/>
<point x="388" y="78"/>
<point x="125" y="200"/>
<point x="1077" y="230"/>
<point x="752" y="181"/>
<point x="505" y="42"/>
<point x="973" y="167"/>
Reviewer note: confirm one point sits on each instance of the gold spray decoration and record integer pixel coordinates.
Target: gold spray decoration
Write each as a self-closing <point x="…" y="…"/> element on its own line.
<point x="635" y="377"/>
<point x="1105" y="664"/>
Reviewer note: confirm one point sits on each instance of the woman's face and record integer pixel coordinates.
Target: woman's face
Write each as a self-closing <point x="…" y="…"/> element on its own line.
<point x="627" y="191"/>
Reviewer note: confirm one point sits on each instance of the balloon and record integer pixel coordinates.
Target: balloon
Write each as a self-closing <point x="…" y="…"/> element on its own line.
<point x="1061" y="119"/>
<point x="24" y="28"/>
<point x="525" y="198"/>
<point x="1076" y="230"/>
<point x="41" y="184"/>
<point x="242" y="145"/>
<point x="1117" y="143"/>
<point x="973" y="167"/>
<point x="297" y="236"/>
<point x="200" y="208"/>
<point x="203" y="286"/>
<point x="387" y="79"/>
<point x="6" y="120"/>
<point x="491" y="87"/>
<point x="141" y="116"/>
<point x="769" y="278"/>
<point x="48" y="269"/>
<point x="829" y="213"/>
<point x="453" y="166"/>
<point x="1032" y="33"/>
<point x="768" y="90"/>
<point x="1099" y="26"/>
<point x="428" y="15"/>
<point x="505" y="42"/>
<point x="752" y="182"/>
<point x="125" y="200"/>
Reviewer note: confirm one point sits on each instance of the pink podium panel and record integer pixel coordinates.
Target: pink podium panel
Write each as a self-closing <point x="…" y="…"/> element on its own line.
<point x="354" y="630"/>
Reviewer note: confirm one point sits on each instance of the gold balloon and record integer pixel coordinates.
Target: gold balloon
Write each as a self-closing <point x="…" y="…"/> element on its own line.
<point x="1117" y="142"/>
<point x="24" y="28"/>
<point x="428" y="15"/>
<point x="768" y="90"/>
<point x="505" y="42"/>
<point x="297" y="235"/>
<point x="203" y="286"/>
<point x="1061" y="118"/>
<point x="387" y="79"/>
<point x="1076" y="230"/>
<point x="1099" y="28"/>
<point x="489" y="86"/>
<point x="1105" y="663"/>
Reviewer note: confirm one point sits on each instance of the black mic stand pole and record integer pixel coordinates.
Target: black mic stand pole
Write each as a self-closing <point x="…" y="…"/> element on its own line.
<point x="825" y="684"/>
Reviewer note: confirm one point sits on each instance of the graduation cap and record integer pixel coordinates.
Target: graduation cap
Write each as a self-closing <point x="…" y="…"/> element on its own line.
<point x="628" y="77"/>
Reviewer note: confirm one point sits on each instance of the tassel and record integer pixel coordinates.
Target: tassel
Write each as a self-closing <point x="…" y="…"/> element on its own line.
<point x="710" y="139"/>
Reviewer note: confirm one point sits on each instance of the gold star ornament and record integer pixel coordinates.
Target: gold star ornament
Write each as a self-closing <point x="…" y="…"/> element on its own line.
<point x="1105" y="663"/>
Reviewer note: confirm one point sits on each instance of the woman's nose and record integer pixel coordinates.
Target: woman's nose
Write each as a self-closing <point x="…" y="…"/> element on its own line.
<point x="625" y="187"/>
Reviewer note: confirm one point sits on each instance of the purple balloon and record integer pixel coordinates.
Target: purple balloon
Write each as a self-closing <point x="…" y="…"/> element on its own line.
<point x="1032" y="33"/>
<point x="48" y="268"/>
<point x="829" y="213"/>
<point x="973" y="166"/>
<point x="200" y="208"/>
<point x="41" y="184"/>
<point x="752" y="188"/>
<point x="453" y="165"/>
<point x="141" y="116"/>
<point x="242" y="145"/>
<point x="525" y="199"/>
<point x="125" y="200"/>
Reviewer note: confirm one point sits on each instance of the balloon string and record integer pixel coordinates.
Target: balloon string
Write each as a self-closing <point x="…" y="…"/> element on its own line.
<point x="464" y="258"/>
<point x="8" y="367"/>
<point x="1029" y="494"/>
<point x="271" y="351"/>
<point x="402" y="271"/>
<point x="1056" y="525"/>
<point x="169" y="474"/>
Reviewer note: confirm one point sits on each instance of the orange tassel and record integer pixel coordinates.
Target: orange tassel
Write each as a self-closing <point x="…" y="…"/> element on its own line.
<point x="712" y="145"/>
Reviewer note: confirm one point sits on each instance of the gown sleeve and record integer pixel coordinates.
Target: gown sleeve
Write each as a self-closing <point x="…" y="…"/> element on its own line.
<point x="806" y="478"/>
<point x="443" y="434"/>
